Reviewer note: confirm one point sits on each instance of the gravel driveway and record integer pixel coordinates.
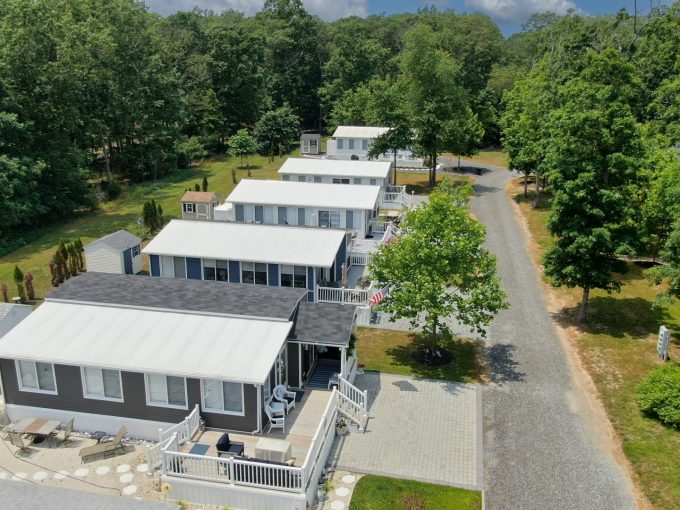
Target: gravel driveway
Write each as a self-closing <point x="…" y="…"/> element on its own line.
<point x="539" y="451"/>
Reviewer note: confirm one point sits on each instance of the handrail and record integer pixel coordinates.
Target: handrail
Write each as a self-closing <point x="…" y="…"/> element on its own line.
<point x="185" y="429"/>
<point x="326" y="423"/>
<point x="356" y="396"/>
<point x="154" y="453"/>
<point x="342" y="295"/>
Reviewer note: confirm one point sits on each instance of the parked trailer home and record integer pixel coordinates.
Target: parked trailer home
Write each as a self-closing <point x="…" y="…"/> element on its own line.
<point x="274" y="255"/>
<point x="312" y="205"/>
<point x="333" y="171"/>
<point x="114" y="350"/>
<point x="354" y="142"/>
<point x="118" y="252"/>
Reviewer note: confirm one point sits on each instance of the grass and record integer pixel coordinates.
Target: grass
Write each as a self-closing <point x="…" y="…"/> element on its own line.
<point x="488" y="157"/>
<point x="123" y="213"/>
<point x="391" y="351"/>
<point x="418" y="182"/>
<point x="379" y="492"/>
<point x="618" y="348"/>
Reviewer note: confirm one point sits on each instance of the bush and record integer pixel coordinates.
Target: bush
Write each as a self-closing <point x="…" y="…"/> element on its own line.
<point x="113" y="190"/>
<point x="659" y="394"/>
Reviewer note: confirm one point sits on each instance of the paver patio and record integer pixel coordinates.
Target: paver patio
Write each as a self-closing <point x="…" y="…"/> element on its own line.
<point x="420" y="429"/>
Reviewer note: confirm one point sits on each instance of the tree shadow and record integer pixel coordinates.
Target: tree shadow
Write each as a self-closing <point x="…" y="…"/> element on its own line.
<point x="501" y="365"/>
<point x="464" y="367"/>
<point x="544" y="199"/>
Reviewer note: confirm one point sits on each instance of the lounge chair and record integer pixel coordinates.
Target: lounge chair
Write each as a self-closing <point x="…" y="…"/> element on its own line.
<point x="276" y="420"/>
<point x="22" y="448"/>
<point x="287" y="398"/>
<point x="113" y="446"/>
<point x="68" y="430"/>
<point x="226" y="446"/>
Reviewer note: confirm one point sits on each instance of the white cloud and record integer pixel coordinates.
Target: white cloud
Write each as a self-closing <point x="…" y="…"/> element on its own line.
<point x="518" y="11"/>
<point x="326" y="9"/>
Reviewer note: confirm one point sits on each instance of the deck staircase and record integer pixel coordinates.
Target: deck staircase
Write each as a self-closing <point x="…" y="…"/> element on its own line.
<point x="322" y="374"/>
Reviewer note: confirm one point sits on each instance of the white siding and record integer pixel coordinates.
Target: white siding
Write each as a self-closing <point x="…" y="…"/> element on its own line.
<point x="137" y="263"/>
<point x="104" y="260"/>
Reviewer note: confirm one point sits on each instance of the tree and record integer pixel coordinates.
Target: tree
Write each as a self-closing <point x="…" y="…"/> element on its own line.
<point x="594" y="155"/>
<point x="397" y="138"/>
<point x="438" y="269"/>
<point x="204" y="184"/>
<point x="242" y="145"/>
<point x="65" y="267"/>
<point x="28" y="281"/>
<point x="189" y="150"/>
<point x="5" y="292"/>
<point x="276" y="130"/>
<point x="19" y="280"/>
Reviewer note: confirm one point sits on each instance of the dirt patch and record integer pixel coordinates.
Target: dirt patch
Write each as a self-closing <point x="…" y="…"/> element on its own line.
<point x="584" y="399"/>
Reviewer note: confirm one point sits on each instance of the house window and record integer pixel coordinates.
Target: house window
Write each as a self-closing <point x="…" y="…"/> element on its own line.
<point x="135" y="251"/>
<point x="222" y="396"/>
<point x="189" y="208"/>
<point x="180" y="267"/>
<point x="372" y="182"/>
<point x="222" y="271"/>
<point x="208" y="269"/>
<point x="301" y="216"/>
<point x="351" y="144"/>
<point x="254" y="273"/>
<point x="259" y="214"/>
<point x="301" y="178"/>
<point x="349" y="219"/>
<point x="102" y="384"/>
<point x="357" y="180"/>
<point x="340" y="181"/>
<point x="285" y="177"/>
<point x="240" y="216"/>
<point x="294" y="276"/>
<point x="37" y="377"/>
<point x="166" y="391"/>
<point x="340" y="143"/>
<point x="283" y="216"/>
<point x="317" y="178"/>
<point x="364" y="145"/>
<point x="329" y="219"/>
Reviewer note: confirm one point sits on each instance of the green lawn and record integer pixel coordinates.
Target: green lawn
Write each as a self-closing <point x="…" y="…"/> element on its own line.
<point x="391" y="351"/>
<point x="618" y="348"/>
<point x="123" y="213"/>
<point x="417" y="182"/>
<point x="379" y="493"/>
<point x="488" y="157"/>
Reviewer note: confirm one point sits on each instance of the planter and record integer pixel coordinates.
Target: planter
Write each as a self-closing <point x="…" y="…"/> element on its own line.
<point x="341" y="430"/>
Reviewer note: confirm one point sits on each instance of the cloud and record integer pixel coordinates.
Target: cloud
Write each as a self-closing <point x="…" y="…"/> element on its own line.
<point x="516" y="12"/>
<point x="326" y="9"/>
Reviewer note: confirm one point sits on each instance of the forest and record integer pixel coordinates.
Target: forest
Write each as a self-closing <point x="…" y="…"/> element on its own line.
<point x="93" y="93"/>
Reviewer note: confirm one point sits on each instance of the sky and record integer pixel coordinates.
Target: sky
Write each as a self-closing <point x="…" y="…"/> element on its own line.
<point x="509" y="14"/>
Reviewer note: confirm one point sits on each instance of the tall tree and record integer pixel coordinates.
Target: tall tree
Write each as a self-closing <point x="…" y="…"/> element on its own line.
<point x="241" y="145"/>
<point x="593" y="157"/>
<point x="276" y="130"/>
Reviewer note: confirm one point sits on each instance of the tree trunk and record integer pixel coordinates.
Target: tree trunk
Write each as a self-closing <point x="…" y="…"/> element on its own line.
<point x="583" y="311"/>
<point x="526" y="186"/>
<point x="459" y="162"/>
<point x="433" y="172"/>
<point x="538" y="189"/>
<point x="394" y="177"/>
<point x="107" y="160"/>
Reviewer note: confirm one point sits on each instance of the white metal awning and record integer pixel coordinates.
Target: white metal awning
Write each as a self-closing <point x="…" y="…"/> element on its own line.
<point x="336" y="168"/>
<point x="139" y="340"/>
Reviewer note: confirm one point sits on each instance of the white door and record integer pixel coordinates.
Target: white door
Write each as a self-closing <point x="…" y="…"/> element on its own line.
<point x="305" y="146"/>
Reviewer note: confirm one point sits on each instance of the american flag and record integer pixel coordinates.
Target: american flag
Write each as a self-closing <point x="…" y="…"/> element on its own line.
<point x="379" y="296"/>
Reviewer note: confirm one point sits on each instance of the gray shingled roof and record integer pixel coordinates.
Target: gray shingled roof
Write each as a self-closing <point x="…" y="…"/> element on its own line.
<point x="36" y="496"/>
<point x="5" y="309"/>
<point x="324" y="323"/>
<point x="120" y="240"/>
<point x="176" y="294"/>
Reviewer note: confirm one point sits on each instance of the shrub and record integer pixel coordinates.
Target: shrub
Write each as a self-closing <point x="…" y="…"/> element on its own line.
<point x="5" y="292"/>
<point x="28" y="281"/>
<point x="113" y="190"/>
<point x="19" y="280"/>
<point x="659" y="394"/>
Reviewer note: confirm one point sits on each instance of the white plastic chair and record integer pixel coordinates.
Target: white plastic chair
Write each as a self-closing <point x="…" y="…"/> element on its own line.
<point x="276" y="420"/>
<point x="287" y="398"/>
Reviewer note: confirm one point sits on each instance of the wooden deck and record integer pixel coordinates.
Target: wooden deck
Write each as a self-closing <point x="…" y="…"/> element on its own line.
<point x="301" y="424"/>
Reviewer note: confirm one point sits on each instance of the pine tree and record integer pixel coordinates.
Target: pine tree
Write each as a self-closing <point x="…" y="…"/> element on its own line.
<point x="19" y="280"/>
<point x="5" y="292"/>
<point x="204" y="185"/>
<point x="63" y="251"/>
<point x="81" y="254"/>
<point x="159" y="216"/>
<point x="54" y="276"/>
<point x="28" y="280"/>
<point x="72" y="259"/>
<point x="197" y="187"/>
<point x="59" y="268"/>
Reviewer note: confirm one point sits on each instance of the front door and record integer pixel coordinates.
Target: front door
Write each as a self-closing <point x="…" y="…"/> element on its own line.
<point x="305" y="146"/>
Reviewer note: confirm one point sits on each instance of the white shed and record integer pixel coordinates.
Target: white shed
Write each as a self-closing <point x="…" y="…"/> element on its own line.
<point x="117" y="253"/>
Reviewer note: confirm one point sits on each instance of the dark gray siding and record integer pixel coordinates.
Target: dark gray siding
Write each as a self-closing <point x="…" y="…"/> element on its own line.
<point x="70" y="398"/>
<point x="293" y="365"/>
<point x="340" y="259"/>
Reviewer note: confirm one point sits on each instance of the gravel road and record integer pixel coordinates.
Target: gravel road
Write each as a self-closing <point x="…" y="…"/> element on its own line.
<point x="540" y="448"/>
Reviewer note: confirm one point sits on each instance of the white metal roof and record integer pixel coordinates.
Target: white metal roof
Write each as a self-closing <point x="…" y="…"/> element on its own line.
<point x="183" y="344"/>
<point x="274" y="244"/>
<point x="359" y="131"/>
<point x="305" y="194"/>
<point x="120" y="240"/>
<point x="336" y="168"/>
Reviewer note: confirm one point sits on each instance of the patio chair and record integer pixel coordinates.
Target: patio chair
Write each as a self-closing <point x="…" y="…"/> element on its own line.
<point x="68" y="430"/>
<point x="276" y="420"/>
<point x="287" y="398"/>
<point x="113" y="446"/>
<point x="226" y="446"/>
<point x="22" y="448"/>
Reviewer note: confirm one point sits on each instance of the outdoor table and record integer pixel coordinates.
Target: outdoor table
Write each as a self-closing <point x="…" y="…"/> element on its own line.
<point x="38" y="427"/>
<point x="98" y="435"/>
<point x="277" y="450"/>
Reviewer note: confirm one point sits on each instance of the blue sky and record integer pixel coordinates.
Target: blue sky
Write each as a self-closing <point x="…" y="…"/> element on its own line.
<point x="509" y="14"/>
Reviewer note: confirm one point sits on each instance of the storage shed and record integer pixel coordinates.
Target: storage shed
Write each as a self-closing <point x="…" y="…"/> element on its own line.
<point x="117" y="253"/>
<point x="310" y="143"/>
<point x="199" y="205"/>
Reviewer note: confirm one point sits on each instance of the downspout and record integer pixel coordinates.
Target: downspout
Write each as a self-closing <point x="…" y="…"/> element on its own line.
<point x="259" y="410"/>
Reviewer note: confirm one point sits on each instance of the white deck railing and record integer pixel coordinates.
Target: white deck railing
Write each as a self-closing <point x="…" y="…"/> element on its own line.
<point x="154" y="456"/>
<point x="359" y="258"/>
<point x="342" y="295"/>
<point x="185" y="429"/>
<point x="351" y="368"/>
<point x="378" y="227"/>
<point x="358" y="398"/>
<point x="320" y="447"/>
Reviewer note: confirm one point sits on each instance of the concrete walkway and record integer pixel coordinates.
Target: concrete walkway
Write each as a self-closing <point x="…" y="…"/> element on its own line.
<point x="541" y="448"/>
<point x="420" y="429"/>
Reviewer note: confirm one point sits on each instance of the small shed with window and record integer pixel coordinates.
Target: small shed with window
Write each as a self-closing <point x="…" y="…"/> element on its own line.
<point x="199" y="205"/>
<point x="310" y="143"/>
<point x="118" y="252"/>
